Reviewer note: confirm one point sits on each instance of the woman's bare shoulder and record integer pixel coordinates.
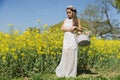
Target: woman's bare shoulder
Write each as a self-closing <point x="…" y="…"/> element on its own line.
<point x="64" y="20"/>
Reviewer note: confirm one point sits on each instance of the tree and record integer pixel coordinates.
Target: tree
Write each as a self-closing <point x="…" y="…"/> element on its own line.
<point x="99" y="18"/>
<point x="116" y="4"/>
<point x="94" y="17"/>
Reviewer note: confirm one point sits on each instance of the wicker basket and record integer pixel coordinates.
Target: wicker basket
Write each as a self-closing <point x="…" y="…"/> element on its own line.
<point x="83" y="40"/>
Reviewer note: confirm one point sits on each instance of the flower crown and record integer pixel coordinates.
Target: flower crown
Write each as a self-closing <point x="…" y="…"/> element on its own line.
<point x="72" y="7"/>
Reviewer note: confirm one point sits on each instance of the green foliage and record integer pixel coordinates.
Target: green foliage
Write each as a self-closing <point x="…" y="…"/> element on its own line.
<point x="116" y="4"/>
<point x="30" y="53"/>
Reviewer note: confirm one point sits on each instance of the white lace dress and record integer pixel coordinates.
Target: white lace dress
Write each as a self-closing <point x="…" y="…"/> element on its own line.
<point x="68" y="63"/>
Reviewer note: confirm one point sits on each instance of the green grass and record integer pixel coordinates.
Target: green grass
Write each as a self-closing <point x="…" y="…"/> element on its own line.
<point x="80" y="77"/>
<point x="93" y="74"/>
<point x="101" y="74"/>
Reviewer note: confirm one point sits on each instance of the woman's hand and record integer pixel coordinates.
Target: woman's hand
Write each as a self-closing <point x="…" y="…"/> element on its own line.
<point x="72" y="28"/>
<point x="87" y="32"/>
<point x="79" y="29"/>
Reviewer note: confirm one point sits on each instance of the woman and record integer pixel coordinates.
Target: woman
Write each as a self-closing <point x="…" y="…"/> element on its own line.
<point x="68" y="64"/>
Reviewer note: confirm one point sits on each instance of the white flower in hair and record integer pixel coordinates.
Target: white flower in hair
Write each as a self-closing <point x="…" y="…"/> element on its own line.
<point x="71" y="6"/>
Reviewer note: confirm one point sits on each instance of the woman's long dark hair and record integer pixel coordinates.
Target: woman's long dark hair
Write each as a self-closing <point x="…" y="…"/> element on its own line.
<point x="75" y="19"/>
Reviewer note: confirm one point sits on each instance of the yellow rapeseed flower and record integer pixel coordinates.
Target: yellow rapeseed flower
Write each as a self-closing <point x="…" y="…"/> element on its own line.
<point x="4" y="58"/>
<point x="15" y="57"/>
<point x="22" y="54"/>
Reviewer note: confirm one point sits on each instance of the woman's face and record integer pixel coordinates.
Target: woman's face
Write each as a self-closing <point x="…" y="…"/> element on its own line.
<point x="69" y="13"/>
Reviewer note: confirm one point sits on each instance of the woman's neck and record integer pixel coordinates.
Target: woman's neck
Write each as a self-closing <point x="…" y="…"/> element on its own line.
<point x="69" y="18"/>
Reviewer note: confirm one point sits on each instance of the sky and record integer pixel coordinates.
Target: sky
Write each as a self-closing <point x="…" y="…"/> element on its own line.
<point x="25" y="13"/>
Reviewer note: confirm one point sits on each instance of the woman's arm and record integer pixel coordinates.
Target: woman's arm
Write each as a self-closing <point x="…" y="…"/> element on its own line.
<point x="79" y="26"/>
